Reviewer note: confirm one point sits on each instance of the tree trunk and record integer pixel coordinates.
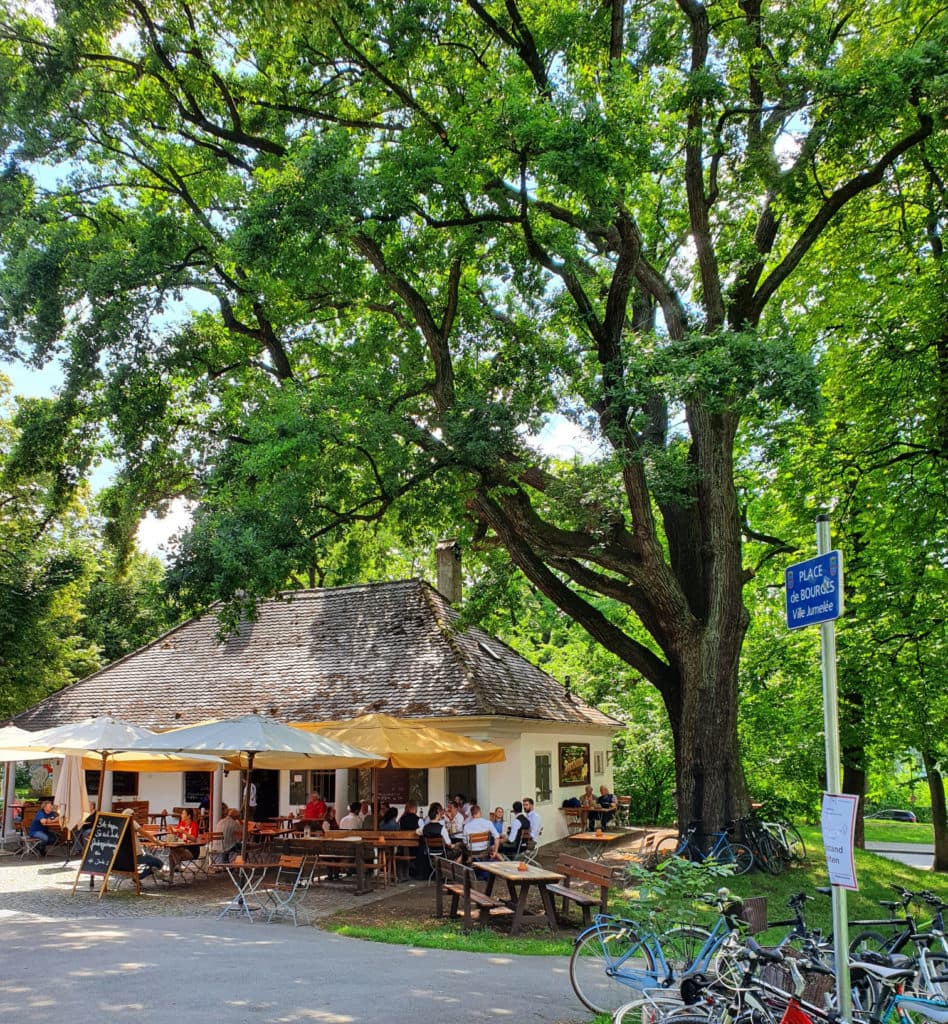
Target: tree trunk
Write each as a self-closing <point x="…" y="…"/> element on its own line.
<point x="936" y="787"/>
<point x="854" y="758"/>
<point x="711" y="789"/>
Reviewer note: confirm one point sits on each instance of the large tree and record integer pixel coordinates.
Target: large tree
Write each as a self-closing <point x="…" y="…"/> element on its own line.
<point x="414" y="231"/>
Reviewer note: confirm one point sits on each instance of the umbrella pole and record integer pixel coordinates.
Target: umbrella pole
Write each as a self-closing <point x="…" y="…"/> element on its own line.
<point x="243" y="835"/>
<point x="98" y="802"/>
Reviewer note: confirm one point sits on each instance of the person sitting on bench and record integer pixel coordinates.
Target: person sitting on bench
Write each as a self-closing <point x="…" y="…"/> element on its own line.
<point x="607" y="804"/>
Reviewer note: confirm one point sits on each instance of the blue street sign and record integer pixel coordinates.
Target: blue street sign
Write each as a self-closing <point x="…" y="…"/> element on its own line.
<point x="815" y="590"/>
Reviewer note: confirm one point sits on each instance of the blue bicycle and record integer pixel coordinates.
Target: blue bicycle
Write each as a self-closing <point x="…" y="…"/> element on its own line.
<point x="722" y="851"/>
<point x="616" y="954"/>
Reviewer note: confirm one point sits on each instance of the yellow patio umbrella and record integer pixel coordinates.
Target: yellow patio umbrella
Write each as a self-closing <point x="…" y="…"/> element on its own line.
<point x="408" y="744"/>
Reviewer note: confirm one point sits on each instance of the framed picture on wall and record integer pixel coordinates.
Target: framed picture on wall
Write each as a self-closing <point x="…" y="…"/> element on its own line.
<point x="598" y="768"/>
<point x="574" y="764"/>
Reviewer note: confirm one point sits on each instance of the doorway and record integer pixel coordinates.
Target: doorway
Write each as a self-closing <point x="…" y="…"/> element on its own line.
<point x="267" y="783"/>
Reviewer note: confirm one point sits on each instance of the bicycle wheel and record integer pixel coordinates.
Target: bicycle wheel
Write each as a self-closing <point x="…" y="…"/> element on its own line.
<point x="793" y="841"/>
<point x="768" y="855"/>
<point x="867" y="942"/>
<point x="609" y="965"/>
<point x="739" y="856"/>
<point x="668" y="847"/>
<point x="681" y="946"/>
<point x="932" y="978"/>
<point x="650" y="1009"/>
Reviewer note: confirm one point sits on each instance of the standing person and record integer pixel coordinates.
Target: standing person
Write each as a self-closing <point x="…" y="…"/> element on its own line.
<point x="409" y="821"/>
<point x="39" y="825"/>
<point x="252" y="801"/>
<point x="535" y="822"/>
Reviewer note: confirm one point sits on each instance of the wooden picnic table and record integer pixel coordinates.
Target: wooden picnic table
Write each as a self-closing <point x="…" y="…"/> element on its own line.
<point x="595" y="843"/>
<point x="519" y="883"/>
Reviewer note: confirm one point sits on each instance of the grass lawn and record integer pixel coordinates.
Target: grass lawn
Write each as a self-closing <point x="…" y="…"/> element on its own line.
<point x="899" y="832"/>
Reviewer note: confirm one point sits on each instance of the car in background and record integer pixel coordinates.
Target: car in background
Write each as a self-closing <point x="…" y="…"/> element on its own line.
<point x="892" y="814"/>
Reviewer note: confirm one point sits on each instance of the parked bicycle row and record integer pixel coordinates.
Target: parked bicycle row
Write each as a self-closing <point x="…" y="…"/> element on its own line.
<point x="717" y="973"/>
<point x="769" y="845"/>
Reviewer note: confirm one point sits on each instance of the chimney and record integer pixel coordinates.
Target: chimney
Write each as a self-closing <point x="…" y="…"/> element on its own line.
<point x="448" y="554"/>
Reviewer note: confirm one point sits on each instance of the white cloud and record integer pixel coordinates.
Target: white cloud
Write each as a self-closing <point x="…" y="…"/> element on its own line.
<point x="154" y="533"/>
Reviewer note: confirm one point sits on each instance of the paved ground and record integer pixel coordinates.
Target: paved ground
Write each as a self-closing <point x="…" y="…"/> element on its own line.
<point x="166" y="957"/>
<point x="916" y="855"/>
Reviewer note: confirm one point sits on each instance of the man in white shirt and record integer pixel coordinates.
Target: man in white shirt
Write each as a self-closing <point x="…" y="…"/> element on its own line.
<point x="481" y="849"/>
<point x="535" y="823"/>
<point x="454" y="821"/>
<point x="353" y="819"/>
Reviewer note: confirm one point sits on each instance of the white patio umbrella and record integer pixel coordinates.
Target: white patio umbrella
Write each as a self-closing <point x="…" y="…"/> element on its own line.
<point x="71" y="797"/>
<point x="15" y="745"/>
<point x="112" y="741"/>
<point x="265" y="742"/>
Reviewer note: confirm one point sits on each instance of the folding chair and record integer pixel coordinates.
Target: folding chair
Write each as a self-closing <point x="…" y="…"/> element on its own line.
<point x="530" y="849"/>
<point x="196" y="866"/>
<point x="621" y="820"/>
<point x="28" y="845"/>
<point x="289" y="888"/>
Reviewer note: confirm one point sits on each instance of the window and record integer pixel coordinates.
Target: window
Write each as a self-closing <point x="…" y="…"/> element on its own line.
<point x="544" y="775"/>
<point x="598" y="763"/>
<point x="197" y="787"/>
<point x="123" y="783"/>
<point x="302" y="784"/>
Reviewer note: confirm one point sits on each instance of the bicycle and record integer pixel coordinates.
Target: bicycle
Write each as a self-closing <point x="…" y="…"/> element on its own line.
<point x="616" y="954"/>
<point x="722" y="851"/>
<point x="905" y="929"/>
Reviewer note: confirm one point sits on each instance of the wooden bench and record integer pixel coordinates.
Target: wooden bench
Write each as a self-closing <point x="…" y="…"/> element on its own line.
<point x="575" y="869"/>
<point x="460" y="882"/>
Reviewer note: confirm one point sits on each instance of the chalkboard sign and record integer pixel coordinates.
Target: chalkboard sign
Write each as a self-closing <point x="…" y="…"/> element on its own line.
<point x="110" y="850"/>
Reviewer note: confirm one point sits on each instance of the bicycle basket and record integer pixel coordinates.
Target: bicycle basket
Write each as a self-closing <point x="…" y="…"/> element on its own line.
<point x="778" y="977"/>
<point x="754" y="914"/>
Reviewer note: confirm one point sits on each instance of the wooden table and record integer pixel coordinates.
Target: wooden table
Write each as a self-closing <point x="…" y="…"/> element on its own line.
<point x="519" y="884"/>
<point x="247" y="879"/>
<point x="595" y="843"/>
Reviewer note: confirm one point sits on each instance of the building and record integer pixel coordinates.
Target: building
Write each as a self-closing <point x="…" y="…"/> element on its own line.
<point x="316" y="655"/>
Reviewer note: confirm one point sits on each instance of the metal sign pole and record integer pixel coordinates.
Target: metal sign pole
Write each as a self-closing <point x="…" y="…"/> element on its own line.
<point x="833" y="780"/>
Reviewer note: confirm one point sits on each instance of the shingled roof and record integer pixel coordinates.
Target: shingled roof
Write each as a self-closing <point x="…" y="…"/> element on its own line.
<point x="312" y="655"/>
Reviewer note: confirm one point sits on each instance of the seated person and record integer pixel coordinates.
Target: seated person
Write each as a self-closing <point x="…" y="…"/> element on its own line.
<point x="409" y="821"/>
<point x="148" y="863"/>
<point x="606" y="805"/>
<point x="389" y="822"/>
<point x="434" y="829"/>
<point x="519" y="832"/>
<point x="353" y="820"/>
<point x="187" y="828"/>
<point x="480" y="849"/>
<point x="454" y="823"/>
<point x="39" y="826"/>
<point x="315" y="807"/>
<point x="497" y="820"/>
<point x="329" y="822"/>
<point x="232" y="832"/>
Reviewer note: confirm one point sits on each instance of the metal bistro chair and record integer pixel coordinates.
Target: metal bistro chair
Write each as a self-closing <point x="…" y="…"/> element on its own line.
<point x="29" y="845"/>
<point x="530" y="849"/>
<point x="291" y="885"/>
<point x="621" y="820"/>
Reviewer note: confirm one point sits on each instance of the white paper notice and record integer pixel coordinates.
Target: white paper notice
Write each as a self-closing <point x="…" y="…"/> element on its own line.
<point x="838" y="821"/>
